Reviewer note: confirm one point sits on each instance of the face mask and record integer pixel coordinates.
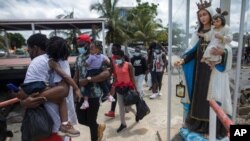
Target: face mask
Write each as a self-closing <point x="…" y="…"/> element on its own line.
<point x="81" y="50"/>
<point x="157" y="51"/>
<point x="137" y="54"/>
<point x="118" y="61"/>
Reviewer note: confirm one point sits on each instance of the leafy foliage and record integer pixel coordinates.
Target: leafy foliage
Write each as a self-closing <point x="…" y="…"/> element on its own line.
<point x="178" y="34"/>
<point x="108" y="9"/>
<point x="16" y="40"/>
<point x="143" y="25"/>
<point x="131" y="25"/>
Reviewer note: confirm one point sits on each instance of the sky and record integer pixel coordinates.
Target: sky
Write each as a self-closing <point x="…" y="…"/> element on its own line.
<point x="49" y="9"/>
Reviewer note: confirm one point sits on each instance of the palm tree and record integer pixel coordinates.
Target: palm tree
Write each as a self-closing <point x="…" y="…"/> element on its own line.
<point x="108" y="10"/>
<point x="142" y="25"/>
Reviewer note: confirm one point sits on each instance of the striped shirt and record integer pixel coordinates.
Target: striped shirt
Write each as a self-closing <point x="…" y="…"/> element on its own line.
<point x="96" y="90"/>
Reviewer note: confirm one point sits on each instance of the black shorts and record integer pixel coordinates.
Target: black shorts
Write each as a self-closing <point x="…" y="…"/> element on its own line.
<point x="33" y="87"/>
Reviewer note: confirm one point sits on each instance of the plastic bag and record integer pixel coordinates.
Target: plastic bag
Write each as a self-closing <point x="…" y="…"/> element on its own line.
<point x="36" y="124"/>
<point x="130" y="98"/>
<point x="142" y="109"/>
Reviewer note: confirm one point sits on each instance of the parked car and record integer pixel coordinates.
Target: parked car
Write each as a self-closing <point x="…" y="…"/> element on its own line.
<point x="21" y="53"/>
<point x="2" y="53"/>
<point x="131" y="51"/>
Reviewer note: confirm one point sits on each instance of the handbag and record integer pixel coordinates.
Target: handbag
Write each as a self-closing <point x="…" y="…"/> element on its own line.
<point x="130" y="98"/>
<point x="36" y="124"/>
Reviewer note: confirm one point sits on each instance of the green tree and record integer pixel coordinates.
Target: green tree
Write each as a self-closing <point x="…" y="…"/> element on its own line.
<point x="143" y="25"/>
<point x="162" y="35"/>
<point x="178" y="34"/>
<point x="108" y="9"/>
<point x="16" y="40"/>
<point x="2" y="43"/>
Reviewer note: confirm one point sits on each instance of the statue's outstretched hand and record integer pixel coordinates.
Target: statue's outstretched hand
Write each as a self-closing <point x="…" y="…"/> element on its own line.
<point x="178" y="63"/>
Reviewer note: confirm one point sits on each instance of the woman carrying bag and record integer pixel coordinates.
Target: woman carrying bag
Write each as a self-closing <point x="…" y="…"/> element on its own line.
<point x="123" y="82"/>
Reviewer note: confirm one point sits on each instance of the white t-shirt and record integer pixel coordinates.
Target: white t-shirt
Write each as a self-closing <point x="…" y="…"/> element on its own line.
<point x="38" y="70"/>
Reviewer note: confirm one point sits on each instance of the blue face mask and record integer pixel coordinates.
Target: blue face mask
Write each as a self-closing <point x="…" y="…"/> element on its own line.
<point x="118" y="61"/>
<point x="157" y="51"/>
<point x="81" y="50"/>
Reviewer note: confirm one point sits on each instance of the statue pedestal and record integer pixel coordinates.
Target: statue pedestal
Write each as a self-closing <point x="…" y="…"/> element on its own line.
<point x="192" y="136"/>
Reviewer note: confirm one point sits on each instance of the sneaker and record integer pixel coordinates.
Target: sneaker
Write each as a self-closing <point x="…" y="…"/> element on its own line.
<point x="68" y="130"/>
<point x="160" y="94"/>
<point x="121" y="128"/>
<point x="110" y="114"/>
<point x="85" y="105"/>
<point x="101" y="129"/>
<point x="111" y="98"/>
<point x="154" y="95"/>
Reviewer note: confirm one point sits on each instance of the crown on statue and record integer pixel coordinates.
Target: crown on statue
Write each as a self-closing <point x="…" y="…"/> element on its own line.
<point x="203" y="5"/>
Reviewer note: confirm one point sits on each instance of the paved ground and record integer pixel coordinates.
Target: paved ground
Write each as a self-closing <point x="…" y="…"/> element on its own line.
<point x="145" y="130"/>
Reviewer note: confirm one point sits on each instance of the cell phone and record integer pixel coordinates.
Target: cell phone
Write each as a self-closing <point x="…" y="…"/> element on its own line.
<point x="12" y="87"/>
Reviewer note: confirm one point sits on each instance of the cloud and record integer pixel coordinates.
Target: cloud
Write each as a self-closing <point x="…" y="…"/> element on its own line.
<point x="49" y="9"/>
<point x="42" y="9"/>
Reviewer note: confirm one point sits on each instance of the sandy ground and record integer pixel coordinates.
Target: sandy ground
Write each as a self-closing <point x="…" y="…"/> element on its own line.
<point x="145" y="130"/>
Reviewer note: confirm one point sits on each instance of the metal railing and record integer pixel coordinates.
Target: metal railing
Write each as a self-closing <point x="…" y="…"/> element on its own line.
<point x="217" y="111"/>
<point x="9" y="102"/>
